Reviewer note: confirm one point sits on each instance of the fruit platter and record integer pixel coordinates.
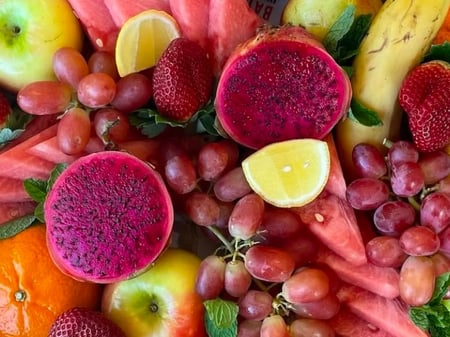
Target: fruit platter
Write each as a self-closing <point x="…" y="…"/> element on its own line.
<point x="238" y="168"/>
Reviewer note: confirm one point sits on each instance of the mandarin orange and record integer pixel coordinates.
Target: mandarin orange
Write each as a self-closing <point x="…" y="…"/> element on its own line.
<point x="33" y="291"/>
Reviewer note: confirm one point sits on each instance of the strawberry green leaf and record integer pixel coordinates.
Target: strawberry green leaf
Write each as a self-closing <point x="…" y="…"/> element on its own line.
<point x="439" y="52"/>
<point x="363" y="115"/>
<point x="221" y="318"/>
<point x="15" y="226"/>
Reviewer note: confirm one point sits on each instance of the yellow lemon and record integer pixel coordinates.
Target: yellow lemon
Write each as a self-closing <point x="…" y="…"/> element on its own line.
<point x="290" y="173"/>
<point x="318" y="16"/>
<point x="142" y="39"/>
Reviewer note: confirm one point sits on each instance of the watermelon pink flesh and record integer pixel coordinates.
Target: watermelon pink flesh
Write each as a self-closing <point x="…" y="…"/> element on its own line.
<point x="108" y="216"/>
<point x="387" y="314"/>
<point x="193" y="18"/>
<point x="97" y="23"/>
<point x="383" y="281"/>
<point x="12" y="190"/>
<point x="231" y="22"/>
<point x="13" y="210"/>
<point x="347" y="324"/>
<point x="121" y="10"/>
<point x="337" y="227"/>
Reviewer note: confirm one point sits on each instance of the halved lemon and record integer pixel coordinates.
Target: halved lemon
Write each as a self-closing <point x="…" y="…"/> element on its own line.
<point x="142" y="40"/>
<point x="290" y="173"/>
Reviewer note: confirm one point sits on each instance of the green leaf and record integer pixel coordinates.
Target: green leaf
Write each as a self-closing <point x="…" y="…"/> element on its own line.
<point x="36" y="189"/>
<point x="363" y="115"/>
<point x="221" y="318"/>
<point x="14" y="227"/>
<point x="439" y="52"/>
<point x="39" y="212"/>
<point x="348" y="46"/>
<point x="7" y="135"/>
<point x="339" y="29"/>
<point x="54" y="174"/>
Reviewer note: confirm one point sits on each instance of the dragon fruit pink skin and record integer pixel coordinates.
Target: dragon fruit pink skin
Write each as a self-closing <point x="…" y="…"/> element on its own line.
<point x="109" y="216"/>
<point x="279" y="85"/>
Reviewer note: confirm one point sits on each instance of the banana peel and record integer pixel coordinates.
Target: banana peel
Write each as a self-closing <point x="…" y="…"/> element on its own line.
<point x="399" y="36"/>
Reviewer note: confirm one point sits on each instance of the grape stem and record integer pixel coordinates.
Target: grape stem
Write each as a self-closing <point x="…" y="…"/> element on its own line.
<point x="221" y="237"/>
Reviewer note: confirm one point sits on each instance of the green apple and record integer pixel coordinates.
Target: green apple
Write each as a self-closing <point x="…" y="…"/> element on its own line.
<point x="161" y="302"/>
<point x="318" y="16"/>
<point x="30" y="33"/>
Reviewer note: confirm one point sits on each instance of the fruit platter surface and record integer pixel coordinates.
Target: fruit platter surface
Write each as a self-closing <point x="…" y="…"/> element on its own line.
<point x="238" y="168"/>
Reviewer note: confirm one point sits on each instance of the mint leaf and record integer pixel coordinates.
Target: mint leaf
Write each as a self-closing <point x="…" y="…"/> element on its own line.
<point x="7" y="135"/>
<point x="363" y="115"/>
<point x="439" y="52"/>
<point x="221" y="318"/>
<point x="39" y="212"/>
<point x="434" y="316"/>
<point x="36" y="189"/>
<point x="54" y="174"/>
<point x="348" y="46"/>
<point x="15" y="226"/>
<point x="339" y="29"/>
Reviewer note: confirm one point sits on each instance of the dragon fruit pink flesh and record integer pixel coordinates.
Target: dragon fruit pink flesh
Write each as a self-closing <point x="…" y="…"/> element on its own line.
<point x="109" y="216"/>
<point x="282" y="84"/>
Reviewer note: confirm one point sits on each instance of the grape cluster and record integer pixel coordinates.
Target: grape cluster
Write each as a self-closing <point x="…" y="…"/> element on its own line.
<point x="90" y="97"/>
<point x="407" y="195"/>
<point x="265" y="256"/>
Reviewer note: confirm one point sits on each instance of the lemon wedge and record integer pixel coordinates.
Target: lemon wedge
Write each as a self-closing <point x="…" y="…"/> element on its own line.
<point x="290" y="173"/>
<point x="142" y="39"/>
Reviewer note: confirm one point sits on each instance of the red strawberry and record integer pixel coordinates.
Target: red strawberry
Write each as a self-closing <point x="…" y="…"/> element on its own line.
<point x="182" y="80"/>
<point x="425" y="97"/>
<point x="82" y="322"/>
<point x="5" y="109"/>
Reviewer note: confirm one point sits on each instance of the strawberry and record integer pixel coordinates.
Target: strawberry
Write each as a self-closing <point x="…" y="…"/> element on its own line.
<point x="425" y="97"/>
<point x="182" y="80"/>
<point x="83" y="322"/>
<point x="5" y="109"/>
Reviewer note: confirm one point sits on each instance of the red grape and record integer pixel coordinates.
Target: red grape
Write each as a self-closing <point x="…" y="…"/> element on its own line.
<point x="324" y="308"/>
<point x="419" y="241"/>
<point x="279" y="224"/>
<point x="306" y="285"/>
<point x="180" y="174"/>
<point x="417" y="280"/>
<point x="269" y="263"/>
<point x="232" y="185"/>
<point x="246" y="216"/>
<point x="393" y="217"/>
<point x="96" y="90"/>
<point x="133" y="92"/>
<point x="44" y="97"/>
<point x="368" y="161"/>
<point x="74" y="131"/>
<point x="70" y="66"/>
<point x="435" y="166"/>
<point x="102" y="61"/>
<point x="213" y="160"/>
<point x="402" y="151"/>
<point x="435" y="211"/>
<point x="274" y="326"/>
<point x="249" y="328"/>
<point x="237" y="278"/>
<point x="310" y="327"/>
<point x="210" y="277"/>
<point x="367" y="193"/>
<point x="255" y="305"/>
<point x="407" y="179"/>
<point x="385" y="251"/>
<point x="111" y="125"/>
<point x="201" y="208"/>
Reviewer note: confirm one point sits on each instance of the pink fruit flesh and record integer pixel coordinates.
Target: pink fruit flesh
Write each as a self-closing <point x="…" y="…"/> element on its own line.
<point x="109" y="216"/>
<point x="281" y="85"/>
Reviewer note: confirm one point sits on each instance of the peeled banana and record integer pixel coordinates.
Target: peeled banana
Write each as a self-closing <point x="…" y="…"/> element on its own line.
<point x="399" y="36"/>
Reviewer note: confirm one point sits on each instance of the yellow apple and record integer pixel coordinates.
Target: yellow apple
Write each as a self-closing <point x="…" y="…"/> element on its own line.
<point x="31" y="31"/>
<point x="161" y="302"/>
<point x="318" y="16"/>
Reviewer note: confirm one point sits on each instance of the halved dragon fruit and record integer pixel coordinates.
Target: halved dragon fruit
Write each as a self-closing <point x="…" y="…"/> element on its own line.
<point x="279" y="85"/>
<point x="109" y="216"/>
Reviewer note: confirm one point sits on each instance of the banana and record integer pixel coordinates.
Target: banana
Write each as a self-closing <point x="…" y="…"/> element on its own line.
<point x="400" y="34"/>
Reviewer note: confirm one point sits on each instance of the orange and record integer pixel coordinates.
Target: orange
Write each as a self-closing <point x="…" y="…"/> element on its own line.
<point x="142" y="39"/>
<point x="290" y="173"/>
<point x="33" y="291"/>
<point x="443" y="33"/>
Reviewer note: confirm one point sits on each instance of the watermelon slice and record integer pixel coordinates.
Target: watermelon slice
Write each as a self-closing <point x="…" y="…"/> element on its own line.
<point x="382" y="281"/>
<point x="121" y="10"/>
<point x="387" y="314"/>
<point x="13" y="210"/>
<point x="193" y="18"/>
<point x="347" y="324"/>
<point x="97" y="23"/>
<point x="337" y="226"/>
<point x="12" y="190"/>
<point x="231" y="22"/>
